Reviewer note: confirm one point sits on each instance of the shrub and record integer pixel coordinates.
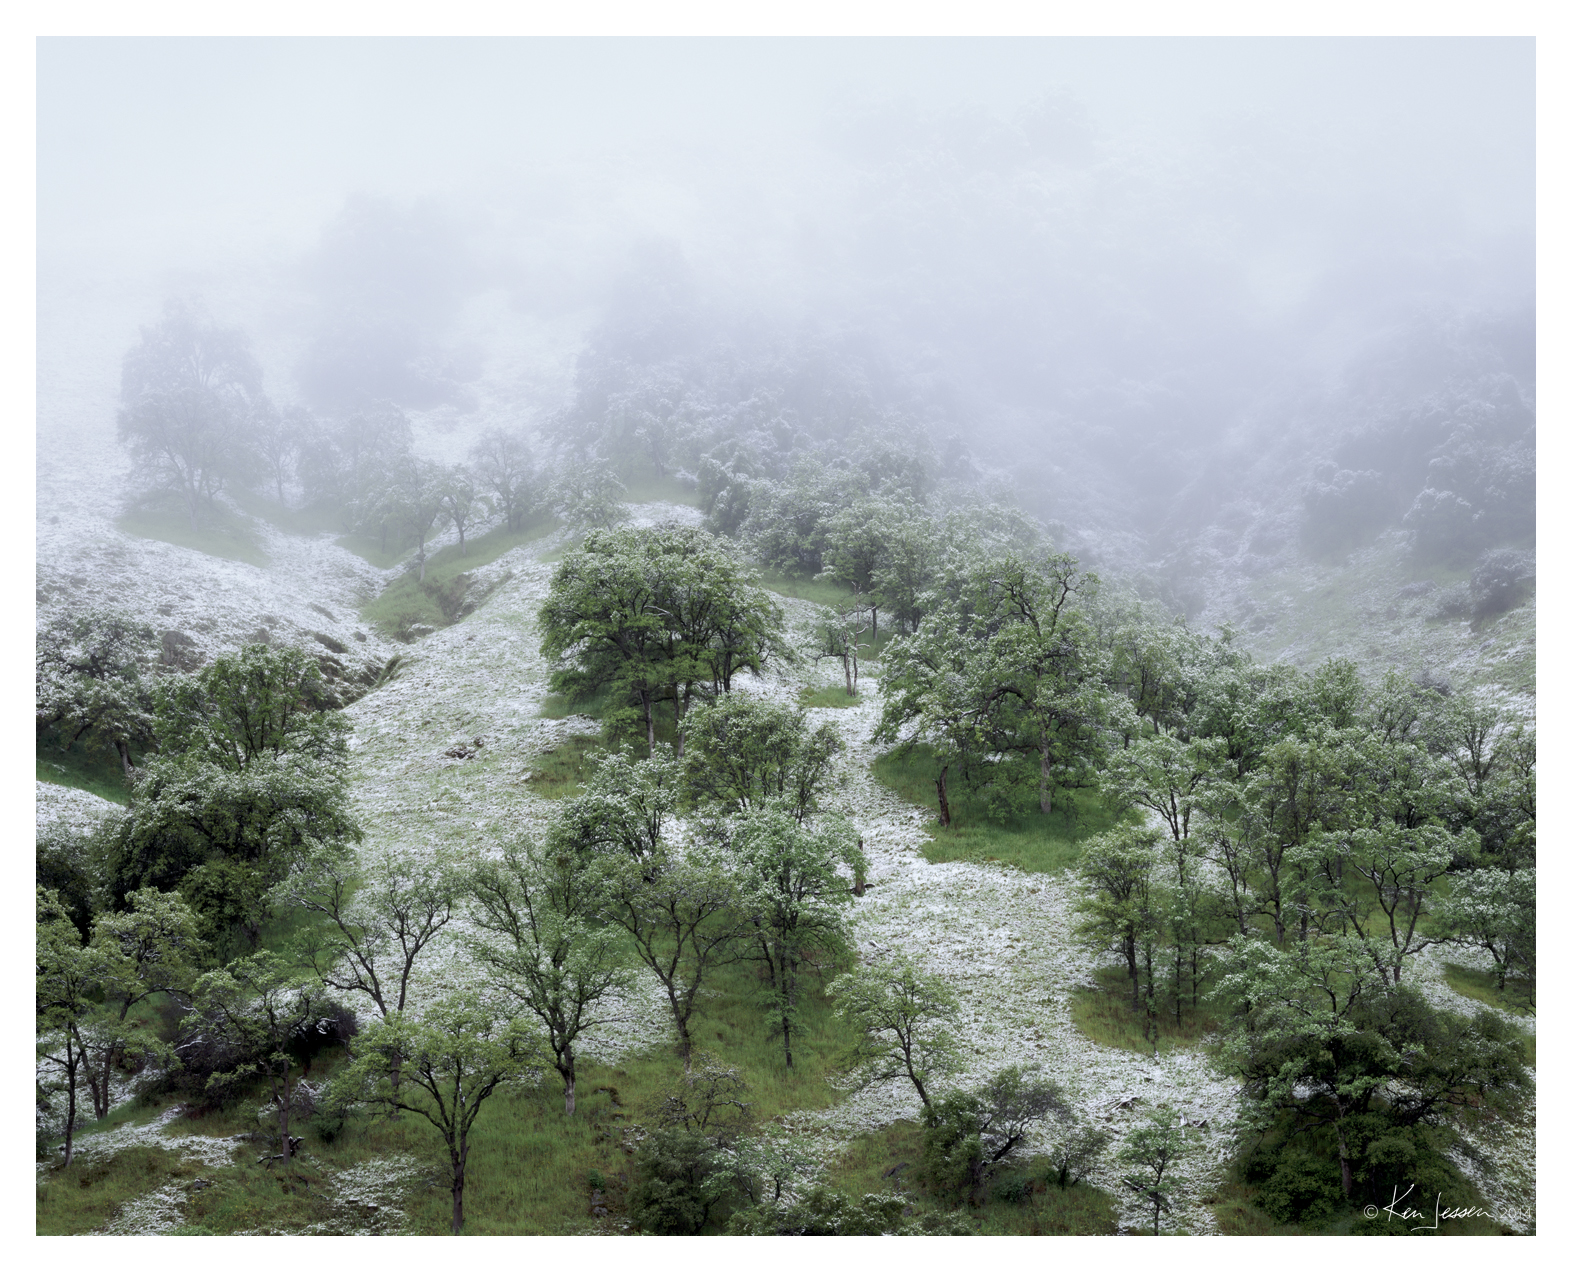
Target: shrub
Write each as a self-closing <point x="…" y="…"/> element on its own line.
<point x="1500" y="581"/>
<point x="1302" y="1187"/>
<point x="1014" y="1189"/>
<point x="973" y="1136"/>
<point x="681" y="1181"/>
<point x="824" y="1212"/>
<point x="1076" y="1152"/>
<point x="952" y="1164"/>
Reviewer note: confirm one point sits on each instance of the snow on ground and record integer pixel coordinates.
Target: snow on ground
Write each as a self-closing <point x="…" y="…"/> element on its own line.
<point x="364" y="1199"/>
<point x="80" y="811"/>
<point x="1001" y="937"/>
<point x="212" y="1151"/>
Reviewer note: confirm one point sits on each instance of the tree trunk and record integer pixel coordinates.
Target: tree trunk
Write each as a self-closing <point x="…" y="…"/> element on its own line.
<point x="1151" y="1001"/>
<point x="461" y="538"/>
<point x="421" y="557"/>
<point x="846" y="668"/>
<point x="944" y="798"/>
<point x="569" y="1082"/>
<point x="1044" y="791"/>
<point x="1135" y="973"/>
<point x="125" y="756"/>
<point x="1343" y="1159"/>
<point x="98" y="1080"/>
<point x="684" y="1041"/>
<point x="458" y="1188"/>
<point x="283" y="1119"/>
<point x="73" y="1059"/>
<point x="397" y="1072"/>
<point x="649" y="720"/>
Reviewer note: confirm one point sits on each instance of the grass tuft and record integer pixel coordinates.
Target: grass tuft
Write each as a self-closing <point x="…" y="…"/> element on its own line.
<point x="1517" y="999"/>
<point x="96" y="771"/>
<point x="1107" y="1016"/>
<point x="819" y="591"/>
<point x="890" y="1158"/>
<point x="560" y="772"/>
<point x="444" y="595"/>
<point x="648" y="486"/>
<point x="829" y="696"/>
<point x="1025" y="839"/>
<point x="218" y="532"/>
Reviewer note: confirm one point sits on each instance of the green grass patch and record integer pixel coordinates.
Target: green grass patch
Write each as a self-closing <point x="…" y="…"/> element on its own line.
<point x="445" y="595"/>
<point x="1026" y="839"/>
<point x="829" y="696"/>
<point x="557" y="706"/>
<point x="96" y="770"/>
<point x="645" y="485"/>
<point x="819" y="591"/>
<point x="529" y="1163"/>
<point x="218" y="532"/>
<point x="891" y="1157"/>
<point x="306" y="522"/>
<point x="1108" y="1017"/>
<point x="560" y="772"/>
<point x="1516" y="999"/>
<point x="90" y="1193"/>
<point x="369" y="548"/>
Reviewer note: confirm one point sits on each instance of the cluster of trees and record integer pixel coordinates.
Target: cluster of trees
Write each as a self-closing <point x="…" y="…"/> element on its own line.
<point x="244" y="779"/>
<point x="197" y="423"/>
<point x="975" y="1138"/>
<point x="247" y="818"/>
<point x="702" y="1160"/>
<point x="761" y="882"/>
<point x="192" y="410"/>
<point x="1432" y="430"/>
<point x="1006" y="680"/>
<point x="1303" y="837"/>
<point x="93" y="682"/>
<point x="559" y="924"/>
<point x="656" y="617"/>
<point x="1454" y="465"/>
<point x="243" y="771"/>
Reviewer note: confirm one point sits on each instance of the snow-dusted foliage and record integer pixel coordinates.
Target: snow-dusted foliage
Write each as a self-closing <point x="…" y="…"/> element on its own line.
<point x="441" y="756"/>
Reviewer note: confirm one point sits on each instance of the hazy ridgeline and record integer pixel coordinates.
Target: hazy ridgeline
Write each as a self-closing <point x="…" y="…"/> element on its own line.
<point x="1076" y="455"/>
<point x="1206" y="307"/>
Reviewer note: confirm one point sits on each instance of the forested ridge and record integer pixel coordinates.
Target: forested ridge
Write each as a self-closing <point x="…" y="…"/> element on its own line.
<point x="811" y="637"/>
<point x="1292" y="884"/>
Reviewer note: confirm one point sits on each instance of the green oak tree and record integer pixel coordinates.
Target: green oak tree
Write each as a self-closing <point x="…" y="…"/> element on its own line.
<point x="745" y="751"/>
<point x="449" y="1061"/>
<point x="259" y="1005"/>
<point x="905" y="1021"/>
<point x="541" y="944"/>
<point x="794" y="899"/>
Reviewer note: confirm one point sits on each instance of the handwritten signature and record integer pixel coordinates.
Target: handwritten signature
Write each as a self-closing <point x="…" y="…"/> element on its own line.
<point x="1439" y="1213"/>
